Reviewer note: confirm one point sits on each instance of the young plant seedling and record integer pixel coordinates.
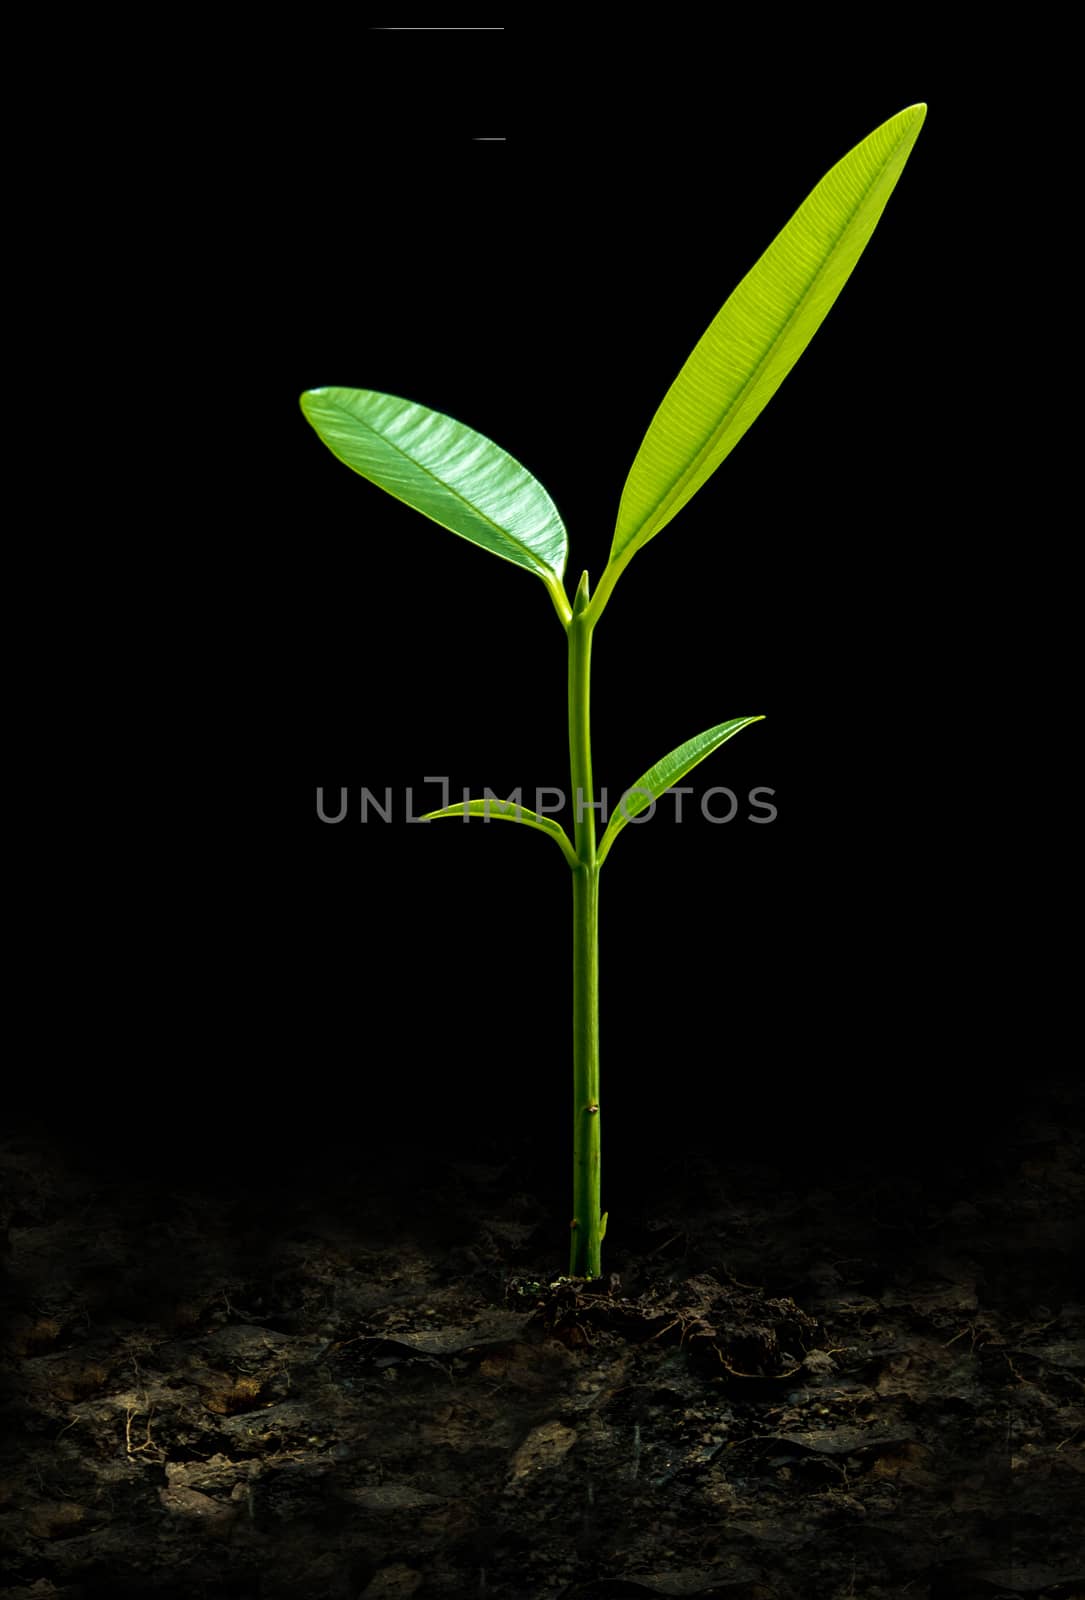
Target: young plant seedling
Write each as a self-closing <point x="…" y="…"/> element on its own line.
<point x="468" y="484"/>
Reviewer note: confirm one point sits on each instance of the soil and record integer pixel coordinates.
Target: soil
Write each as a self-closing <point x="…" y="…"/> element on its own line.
<point x="867" y="1383"/>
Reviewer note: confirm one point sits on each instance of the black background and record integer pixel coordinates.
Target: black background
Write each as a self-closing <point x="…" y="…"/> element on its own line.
<point x="277" y="984"/>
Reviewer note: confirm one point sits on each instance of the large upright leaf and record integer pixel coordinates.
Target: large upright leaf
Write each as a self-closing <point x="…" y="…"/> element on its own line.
<point x="666" y="773"/>
<point x="448" y="472"/>
<point x="760" y="333"/>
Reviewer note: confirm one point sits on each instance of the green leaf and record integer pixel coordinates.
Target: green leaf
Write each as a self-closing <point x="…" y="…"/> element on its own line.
<point x="508" y="811"/>
<point x="448" y="472"/>
<point x="759" y="334"/>
<point x="666" y="773"/>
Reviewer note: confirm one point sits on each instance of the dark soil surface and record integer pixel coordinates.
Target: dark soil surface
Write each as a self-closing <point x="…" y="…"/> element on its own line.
<point x="859" y="1384"/>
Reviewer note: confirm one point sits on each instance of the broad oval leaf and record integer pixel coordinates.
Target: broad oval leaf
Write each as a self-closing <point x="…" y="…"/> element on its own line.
<point x="448" y="472"/>
<point x="760" y="333"/>
<point x="508" y="811"/>
<point x="666" y="773"/>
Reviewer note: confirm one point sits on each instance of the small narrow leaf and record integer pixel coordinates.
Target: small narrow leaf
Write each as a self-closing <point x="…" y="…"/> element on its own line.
<point x="508" y="811"/>
<point x="448" y="472"/>
<point x="759" y="334"/>
<point x="666" y="773"/>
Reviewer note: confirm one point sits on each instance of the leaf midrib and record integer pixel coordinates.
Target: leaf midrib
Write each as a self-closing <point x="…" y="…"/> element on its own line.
<point x="538" y="565"/>
<point x="671" y="494"/>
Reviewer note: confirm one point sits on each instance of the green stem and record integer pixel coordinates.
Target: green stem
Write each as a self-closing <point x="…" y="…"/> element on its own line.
<point x="585" y="1250"/>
